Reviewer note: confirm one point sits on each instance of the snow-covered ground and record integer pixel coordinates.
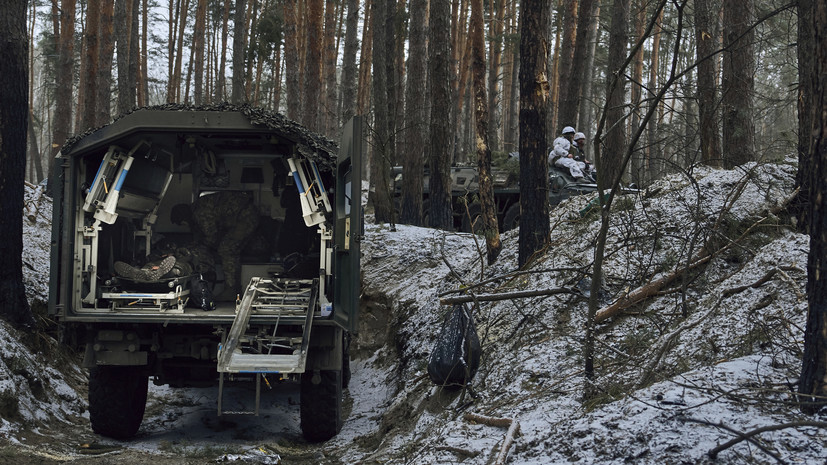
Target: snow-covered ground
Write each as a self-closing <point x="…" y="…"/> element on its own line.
<point x="712" y="356"/>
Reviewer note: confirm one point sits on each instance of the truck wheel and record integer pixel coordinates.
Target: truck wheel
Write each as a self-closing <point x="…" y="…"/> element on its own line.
<point x="472" y="219"/>
<point x="117" y="399"/>
<point x="321" y="404"/>
<point x="512" y="217"/>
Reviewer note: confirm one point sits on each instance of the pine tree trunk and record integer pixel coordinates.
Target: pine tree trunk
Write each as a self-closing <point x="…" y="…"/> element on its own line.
<point x="291" y="60"/>
<point x="366" y="62"/>
<point x="34" y="153"/>
<point x="490" y="229"/>
<point x="508" y="137"/>
<point x="554" y="72"/>
<point x="331" y="117"/>
<point x="239" y="44"/>
<point x="738" y="83"/>
<point x="586" y="110"/>
<point x="350" y="72"/>
<point x="567" y="102"/>
<point x="574" y="90"/>
<point x="123" y="24"/>
<point x="107" y="53"/>
<point x="64" y="77"/>
<point x="534" y="97"/>
<point x="221" y="84"/>
<point x="652" y="151"/>
<point x="440" y="133"/>
<point x="250" y="22"/>
<point x="380" y="164"/>
<point x="133" y="67"/>
<point x="460" y="79"/>
<point x="199" y="37"/>
<point x="706" y="44"/>
<point x="637" y="88"/>
<point x="313" y="65"/>
<point x="608" y="165"/>
<point x="497" y="27"/>
<point x="176" y="76"/>
<point x="805" y="68"/>
<point x="89" y="68"/>
<point x="14" y="306"/>
<point x="416" y="128"/>
<point x="813" y="381"/>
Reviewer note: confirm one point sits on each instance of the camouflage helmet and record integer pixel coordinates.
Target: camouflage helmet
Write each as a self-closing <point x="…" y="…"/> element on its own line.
<point x="568" y="130"/>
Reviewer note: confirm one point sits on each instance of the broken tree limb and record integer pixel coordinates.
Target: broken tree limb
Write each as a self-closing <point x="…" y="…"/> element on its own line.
<point x="746" y="436"/>
<point x="490" y="421"/>
<point x="644" y="292"/>
<point x="506" y="295"/>
<point x="512" y="275"/>
<point x="513" y="429"/>
<point x="704" y="255"/>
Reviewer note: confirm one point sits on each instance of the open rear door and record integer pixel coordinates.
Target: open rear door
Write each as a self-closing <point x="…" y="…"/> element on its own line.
<point x="348" y="229"/>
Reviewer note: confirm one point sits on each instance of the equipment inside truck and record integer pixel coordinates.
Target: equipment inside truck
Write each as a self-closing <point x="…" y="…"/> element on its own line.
<point x="127" y="220"/>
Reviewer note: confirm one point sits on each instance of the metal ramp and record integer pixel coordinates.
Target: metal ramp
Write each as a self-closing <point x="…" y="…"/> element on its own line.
<point x="258" y="353"/>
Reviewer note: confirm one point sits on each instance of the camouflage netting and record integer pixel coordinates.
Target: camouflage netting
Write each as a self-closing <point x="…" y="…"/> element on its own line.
<point x="309" y="144"/>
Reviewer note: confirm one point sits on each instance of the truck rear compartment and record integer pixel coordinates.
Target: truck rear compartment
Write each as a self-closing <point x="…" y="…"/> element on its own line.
<point x="128" y="279"/>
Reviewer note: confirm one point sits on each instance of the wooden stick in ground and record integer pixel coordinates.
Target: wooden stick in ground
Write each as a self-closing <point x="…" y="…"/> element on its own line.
<point x="513" y="429"/>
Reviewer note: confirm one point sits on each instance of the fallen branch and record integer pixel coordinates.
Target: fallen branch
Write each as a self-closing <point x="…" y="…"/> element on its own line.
<point x="746" y="436"/>
<point x="704" y="255"/>
<point x="741" y="437"/>
<point x="456" y="450"/>
<point x="511" y="275"/>
<point x="506" y="295"/>
<point x="669" y="338"/>
<point x="644" y="292"/>
<point x="513" y="429"/>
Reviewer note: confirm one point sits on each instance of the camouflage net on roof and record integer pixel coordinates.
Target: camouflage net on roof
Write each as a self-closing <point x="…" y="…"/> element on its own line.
<point x="314" y="146"/>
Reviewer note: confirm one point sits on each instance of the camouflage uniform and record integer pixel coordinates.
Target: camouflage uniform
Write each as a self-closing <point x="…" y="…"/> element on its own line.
<point x="223" y="222"/>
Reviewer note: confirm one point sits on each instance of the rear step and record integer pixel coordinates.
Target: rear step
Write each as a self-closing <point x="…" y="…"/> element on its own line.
<point x="278" y="297"/>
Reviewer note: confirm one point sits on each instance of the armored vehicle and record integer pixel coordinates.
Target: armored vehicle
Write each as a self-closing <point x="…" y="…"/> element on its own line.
<point x="465" y="188"/>
<point x="146" y="298"/>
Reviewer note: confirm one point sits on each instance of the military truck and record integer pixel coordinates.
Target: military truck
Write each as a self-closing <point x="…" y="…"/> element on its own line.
<point x="465" y="193"/>
<point x="114" y="190"/>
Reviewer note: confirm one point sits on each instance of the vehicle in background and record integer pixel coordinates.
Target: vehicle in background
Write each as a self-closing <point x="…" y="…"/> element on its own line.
<point x="465" y="193"/>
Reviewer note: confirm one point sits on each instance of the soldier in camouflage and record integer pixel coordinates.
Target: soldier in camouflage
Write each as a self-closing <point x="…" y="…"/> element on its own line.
<point x="221" y="223"/>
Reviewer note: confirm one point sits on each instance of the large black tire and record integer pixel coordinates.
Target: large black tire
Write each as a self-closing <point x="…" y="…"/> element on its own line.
<point x="512" y="217"/>
<point x="472" y="219"/>
<point x="117" y="400"/>
<point x="321" y="405"/>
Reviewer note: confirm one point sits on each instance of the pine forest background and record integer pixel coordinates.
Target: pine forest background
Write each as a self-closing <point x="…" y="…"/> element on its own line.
<point x="321" y="61"/>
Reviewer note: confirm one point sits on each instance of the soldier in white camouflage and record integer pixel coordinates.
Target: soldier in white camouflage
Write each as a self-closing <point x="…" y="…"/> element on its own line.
<point x="221" y="223"/>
